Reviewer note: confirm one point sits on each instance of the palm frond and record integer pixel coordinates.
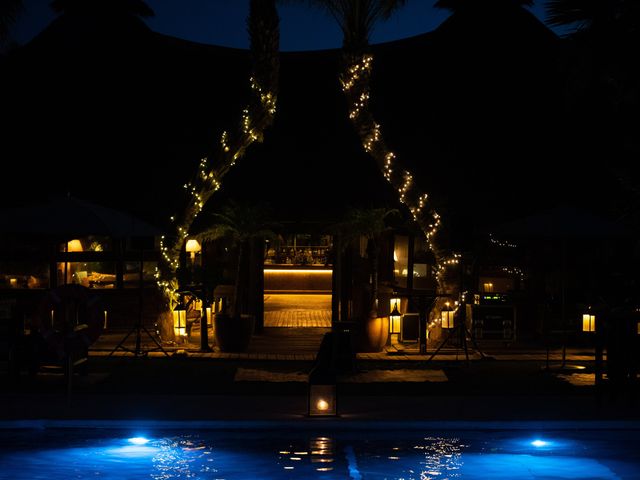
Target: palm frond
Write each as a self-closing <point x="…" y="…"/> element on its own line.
<point x="217" y="232"/>
<point x="356" y="18"/>
<point x="370" y="223"/>
<point x="239" y="222"/>
<point x="570" y="12"/>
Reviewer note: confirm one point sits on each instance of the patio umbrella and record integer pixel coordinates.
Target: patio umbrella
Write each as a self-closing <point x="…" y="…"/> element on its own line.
<point x="69" y="216"/>
<point x="563" y="224"/>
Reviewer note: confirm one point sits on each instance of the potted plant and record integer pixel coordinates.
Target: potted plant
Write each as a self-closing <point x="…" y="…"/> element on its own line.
<point x="369" y="224"/>
<point x="243" y="226"/>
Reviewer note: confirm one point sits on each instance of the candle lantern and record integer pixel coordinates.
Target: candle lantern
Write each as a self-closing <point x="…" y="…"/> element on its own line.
<point x="588" y="321"/>
<point x="322" y="400"/>
<point x="180" y="321"/>
<point x="448" y="317"/>
<point x="395" y="317"/>
<point x="322" y="393"/>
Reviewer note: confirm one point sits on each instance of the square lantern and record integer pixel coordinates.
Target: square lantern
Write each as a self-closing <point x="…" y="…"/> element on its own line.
<point x="180" y="322"/>
<point x="448" y="317"/>
<point x="395" y="317"/>
<point x="588" y="322"/>
<point x="322" y="400"/>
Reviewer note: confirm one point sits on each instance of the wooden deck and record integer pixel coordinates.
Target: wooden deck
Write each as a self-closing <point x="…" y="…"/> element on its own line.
<point x="300" y="341"/>
<point x="298" y="319"/>
<point x="297" y="311"/>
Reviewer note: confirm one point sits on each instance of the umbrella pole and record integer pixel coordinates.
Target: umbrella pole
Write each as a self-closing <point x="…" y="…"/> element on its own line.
<point x="564" y="302"/>
<point x="140" y="301"/>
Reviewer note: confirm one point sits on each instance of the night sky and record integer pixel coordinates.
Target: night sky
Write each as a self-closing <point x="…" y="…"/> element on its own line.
<point x="222" y="22"/>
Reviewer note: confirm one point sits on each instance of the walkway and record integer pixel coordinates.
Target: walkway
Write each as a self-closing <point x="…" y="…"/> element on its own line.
<point x="298" y="319"/>
<point x="297" y="311"/>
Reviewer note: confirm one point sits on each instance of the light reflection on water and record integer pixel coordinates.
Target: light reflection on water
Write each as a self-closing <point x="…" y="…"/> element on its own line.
<point x="364" y="455"/>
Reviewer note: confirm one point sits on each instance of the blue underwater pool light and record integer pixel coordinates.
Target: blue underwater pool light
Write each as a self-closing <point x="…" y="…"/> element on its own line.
<point x="139" y="440"/>
<point x="540" y="443"/>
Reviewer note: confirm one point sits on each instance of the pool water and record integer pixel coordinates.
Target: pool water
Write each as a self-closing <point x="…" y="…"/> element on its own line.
<point x="64" y="453"/>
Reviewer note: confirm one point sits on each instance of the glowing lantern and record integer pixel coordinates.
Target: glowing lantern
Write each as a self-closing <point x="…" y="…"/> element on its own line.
<point x="322" y="391"/>
<point x="180" y="322"/>
<point x="588" y="322"/>
<point x="322" y="400"/>
<point x="448" y="317"/>
<point x="395" y="316"/>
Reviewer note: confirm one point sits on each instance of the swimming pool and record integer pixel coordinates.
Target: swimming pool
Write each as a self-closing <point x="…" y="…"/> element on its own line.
<point x="321" y="450"/>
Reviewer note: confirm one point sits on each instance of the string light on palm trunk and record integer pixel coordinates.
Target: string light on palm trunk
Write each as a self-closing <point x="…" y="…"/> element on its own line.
<point x="355" y="85"/>
<point x="255" y="118"/>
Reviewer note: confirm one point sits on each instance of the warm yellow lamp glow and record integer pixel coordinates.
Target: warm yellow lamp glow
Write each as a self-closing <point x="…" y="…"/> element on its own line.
<point x="74" y="245"/>
<point x="395" y="317"/>
<point x="180" y="322"/>
<point x="588" y="323"/>
<point x="448" y="316"/>
<point x="322" y="400"/>
<point x="193" y="247"/>
<point x="488" y="287"/>
<point x="298" y="271"/>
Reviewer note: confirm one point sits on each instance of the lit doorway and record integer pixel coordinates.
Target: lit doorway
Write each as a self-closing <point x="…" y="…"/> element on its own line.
<point x="297" y="282"/>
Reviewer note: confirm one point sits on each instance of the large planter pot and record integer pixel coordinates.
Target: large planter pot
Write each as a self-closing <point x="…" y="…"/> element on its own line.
<point x="373" y="334"/>
<point x="233" y="334"/>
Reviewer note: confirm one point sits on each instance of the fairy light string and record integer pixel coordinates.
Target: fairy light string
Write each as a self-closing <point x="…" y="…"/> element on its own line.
<point x="255" y="118"/>
<point x="355" y="82"/>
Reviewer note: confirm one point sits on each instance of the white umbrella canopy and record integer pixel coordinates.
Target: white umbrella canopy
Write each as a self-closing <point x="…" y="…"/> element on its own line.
<point x="69" y="216"/>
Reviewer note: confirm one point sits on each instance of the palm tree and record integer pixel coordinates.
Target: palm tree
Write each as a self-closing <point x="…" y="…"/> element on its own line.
<point x="257" y="116"/>
<point x="601" y="18"/>
<point x="603" y="76"/>
<point x="240" y="224"/>
<point x="9" y="10"/>
<point x="370" y="224"/>
<point x="608" y="29"/>
<point x="357" y="19"/>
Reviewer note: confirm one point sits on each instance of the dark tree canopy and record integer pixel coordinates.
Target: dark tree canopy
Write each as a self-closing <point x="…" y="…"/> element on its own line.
<point x="356" y="17"/>
<point x="9" y="10"/>
<point x="603" y="15"/>
<point x="128" y="7"/>
<point x="455" y="5"/>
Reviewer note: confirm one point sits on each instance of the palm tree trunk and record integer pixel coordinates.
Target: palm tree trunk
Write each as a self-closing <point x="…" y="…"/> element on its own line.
<point x="263" y="25"/>
<point x="237" y="300"/>
<point x="374" y="254"/>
